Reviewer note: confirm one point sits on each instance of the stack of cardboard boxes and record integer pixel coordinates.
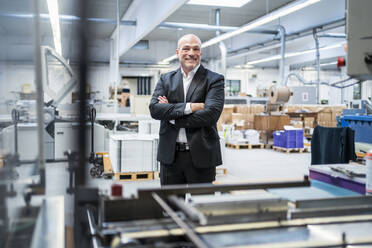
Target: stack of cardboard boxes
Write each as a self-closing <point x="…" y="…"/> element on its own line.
<point x="242" y="116"/>
<point x="271" y="122"/>
<point x="325" y="115"/>
<point x="248" y="117"/>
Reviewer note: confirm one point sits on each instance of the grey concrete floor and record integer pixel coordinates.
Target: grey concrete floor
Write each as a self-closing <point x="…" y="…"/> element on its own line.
<point x="245" y="165"/>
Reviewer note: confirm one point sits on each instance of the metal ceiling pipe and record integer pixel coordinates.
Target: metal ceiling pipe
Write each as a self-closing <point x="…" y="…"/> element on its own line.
<point x="281" y="30"/>
<point x="292" y="36"/>
<point x="317" y="56"/>
<point x="301" y="79"/>
<point x="221" y="45"/>
<point x="332" y="35"/>
<point x="117" y="63"/>
<point x="208" y="27"/>
<point x="196" y="26"/>
<point x="295" y="74"/>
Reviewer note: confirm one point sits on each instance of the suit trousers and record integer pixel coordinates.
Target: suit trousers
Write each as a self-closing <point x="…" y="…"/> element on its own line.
<point x="182" y="171"/>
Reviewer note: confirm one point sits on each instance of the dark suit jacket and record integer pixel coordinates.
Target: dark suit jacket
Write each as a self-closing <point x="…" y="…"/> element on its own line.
<point x="201" y="130"/>
<point x="332" y="145"/>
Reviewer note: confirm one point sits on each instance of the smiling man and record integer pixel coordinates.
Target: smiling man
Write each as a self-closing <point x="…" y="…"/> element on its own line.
<point x="188" y="101"/>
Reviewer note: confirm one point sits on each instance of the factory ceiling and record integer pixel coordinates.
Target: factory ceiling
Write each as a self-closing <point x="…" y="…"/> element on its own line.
<point x="159" y="27"/>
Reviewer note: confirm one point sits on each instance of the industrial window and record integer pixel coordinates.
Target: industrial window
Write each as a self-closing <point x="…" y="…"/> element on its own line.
<point x="357" y="91"/>
<point x="143" y="85"/>
<point x="233" y="87"/>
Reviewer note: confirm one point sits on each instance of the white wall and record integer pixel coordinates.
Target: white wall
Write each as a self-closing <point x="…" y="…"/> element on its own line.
<point x="13" y="76"/>
<point x="252" y="78"/>
<point x="264" y="78"/>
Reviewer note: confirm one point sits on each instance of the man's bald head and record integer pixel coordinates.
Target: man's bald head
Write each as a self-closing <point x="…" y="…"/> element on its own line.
<point x="188" y="37"/>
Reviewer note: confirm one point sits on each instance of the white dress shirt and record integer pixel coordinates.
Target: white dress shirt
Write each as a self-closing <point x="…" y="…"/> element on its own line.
<point x="186" y="84"/>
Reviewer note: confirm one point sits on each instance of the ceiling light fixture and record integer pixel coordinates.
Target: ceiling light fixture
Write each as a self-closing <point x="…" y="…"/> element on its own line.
<point x="289" y="55"/>
<point x="288" y="9"/>
<point x="54" y="22"/>
<point x="220" y="3"/>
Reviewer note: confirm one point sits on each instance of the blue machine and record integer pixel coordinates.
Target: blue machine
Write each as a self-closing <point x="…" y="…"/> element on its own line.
<point x="361" y="124"/>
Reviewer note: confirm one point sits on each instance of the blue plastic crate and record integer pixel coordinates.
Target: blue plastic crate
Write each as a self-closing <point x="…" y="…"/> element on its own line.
<point x="277" y="138"/>
<point x="289" y="139"/>
<point x="300" y="138"/>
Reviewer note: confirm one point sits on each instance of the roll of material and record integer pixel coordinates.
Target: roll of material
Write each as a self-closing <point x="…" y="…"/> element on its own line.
<point x="279" y="94"/>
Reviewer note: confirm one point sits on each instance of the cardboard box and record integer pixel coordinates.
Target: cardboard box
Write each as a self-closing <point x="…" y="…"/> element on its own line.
<point x="309" y="119"/>
<point x="226" y="115"/>
<point x="249" y="117"/>
<point x="271" y="122"/>
<point x="257" y="108"/>
<point x="324" y="117"/>
<point x="237" y="117"/>
<point x="309" y="124"/>
<point x="293" y="108"/>
<point x="244" y="109"/>
<point x="294" y="119"/>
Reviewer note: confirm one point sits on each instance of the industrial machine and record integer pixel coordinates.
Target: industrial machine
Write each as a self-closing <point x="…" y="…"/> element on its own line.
<point x="278" y="96"/>
<point x="237" y="215"/>
<point x="359" y="66"/>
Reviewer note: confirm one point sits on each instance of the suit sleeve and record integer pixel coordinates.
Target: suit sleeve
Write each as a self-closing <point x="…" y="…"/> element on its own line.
<point x="164" y="111"/>
<point x="213" y="106"/>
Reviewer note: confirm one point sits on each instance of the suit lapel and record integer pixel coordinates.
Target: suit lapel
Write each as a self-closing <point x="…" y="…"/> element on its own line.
<point x="196" y="81"/>
<point x="179" y="82"/>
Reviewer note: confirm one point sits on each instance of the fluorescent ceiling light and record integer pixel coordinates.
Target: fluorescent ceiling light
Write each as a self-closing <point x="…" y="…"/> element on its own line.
<point x="221" y="3"/>
<point x="244" y="66"/>
<point x="276" y="14"/>
<point x="262" y="20"/>
<point x="54" y="22"/>
<point x="169" y="59"/>
<point x="289" y="55"/>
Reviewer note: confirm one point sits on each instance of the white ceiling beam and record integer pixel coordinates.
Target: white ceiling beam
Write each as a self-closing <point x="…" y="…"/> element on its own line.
<point x="148" y="15"/>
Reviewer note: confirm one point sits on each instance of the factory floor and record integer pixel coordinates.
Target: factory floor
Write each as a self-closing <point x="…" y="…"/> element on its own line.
<point x="244" y="165"/>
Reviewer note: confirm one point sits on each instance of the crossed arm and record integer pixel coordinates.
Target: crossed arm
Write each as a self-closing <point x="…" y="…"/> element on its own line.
<point x="203" y="114"/>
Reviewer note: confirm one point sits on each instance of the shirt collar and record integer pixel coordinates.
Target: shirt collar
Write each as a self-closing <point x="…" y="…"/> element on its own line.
<point x="191" y="73"/>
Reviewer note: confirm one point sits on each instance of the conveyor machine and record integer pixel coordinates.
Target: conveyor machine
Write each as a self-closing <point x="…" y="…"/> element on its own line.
<point x="239" y="215"/>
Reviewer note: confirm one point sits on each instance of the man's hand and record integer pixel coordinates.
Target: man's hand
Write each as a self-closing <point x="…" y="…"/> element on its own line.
<point x="162" y="99"/>
<point x="196" y="106"/>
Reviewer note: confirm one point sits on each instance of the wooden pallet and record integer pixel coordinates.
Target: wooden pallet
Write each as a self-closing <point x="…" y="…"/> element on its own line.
<point x="360" y="154"/>
<point x="245" y="146"/>
<point x="134" y="176"/>
<point x="221" y="171"/>
<point x="288" y="150"/>
<point x="269" y="146"/>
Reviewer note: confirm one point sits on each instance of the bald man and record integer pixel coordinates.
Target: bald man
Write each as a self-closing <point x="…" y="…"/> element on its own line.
<point x="188" y="101"/>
